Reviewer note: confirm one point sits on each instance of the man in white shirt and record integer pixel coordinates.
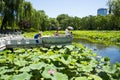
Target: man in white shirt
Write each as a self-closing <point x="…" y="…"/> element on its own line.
<point x="67" y="33"/>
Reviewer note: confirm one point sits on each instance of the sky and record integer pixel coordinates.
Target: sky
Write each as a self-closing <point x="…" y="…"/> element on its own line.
<point x="79" y="8"/>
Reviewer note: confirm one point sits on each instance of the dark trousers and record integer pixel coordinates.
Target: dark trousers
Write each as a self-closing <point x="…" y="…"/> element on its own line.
<point x="36" y="40"/>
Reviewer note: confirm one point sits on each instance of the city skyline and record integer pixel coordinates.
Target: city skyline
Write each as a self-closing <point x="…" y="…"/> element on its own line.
<point x="72" y="8"/>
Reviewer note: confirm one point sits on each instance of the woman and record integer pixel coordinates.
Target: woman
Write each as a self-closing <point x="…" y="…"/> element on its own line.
<point x="56" y="33"/>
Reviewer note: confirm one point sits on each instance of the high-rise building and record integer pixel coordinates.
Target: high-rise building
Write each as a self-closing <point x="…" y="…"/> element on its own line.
<point x="102" y="11"/>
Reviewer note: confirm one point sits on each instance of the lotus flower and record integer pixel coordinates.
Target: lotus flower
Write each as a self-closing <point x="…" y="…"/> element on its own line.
<point x="51" y="71"/>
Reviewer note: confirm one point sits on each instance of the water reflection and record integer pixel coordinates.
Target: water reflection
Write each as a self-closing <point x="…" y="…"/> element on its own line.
<point x="112" y="52"/>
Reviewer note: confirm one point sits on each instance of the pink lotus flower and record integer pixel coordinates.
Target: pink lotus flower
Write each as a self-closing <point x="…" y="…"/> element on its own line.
<point x="51" y="71"/>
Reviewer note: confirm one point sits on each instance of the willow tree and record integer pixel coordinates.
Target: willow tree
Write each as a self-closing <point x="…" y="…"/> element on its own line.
<point x="27" y="10"/>
<point x="115" y="10"/>
<point x="9" y="10"/>
<point x="25" y="14"/>
<point x="116" y="7"/>
<point x="110" y="6"/>
<point x="19" y="10"/>
<point x="43" y="20"/>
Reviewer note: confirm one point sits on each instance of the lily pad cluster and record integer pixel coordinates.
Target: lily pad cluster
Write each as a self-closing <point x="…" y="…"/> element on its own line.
<point x="56" y="63"/>
<point x="107" y="37"/>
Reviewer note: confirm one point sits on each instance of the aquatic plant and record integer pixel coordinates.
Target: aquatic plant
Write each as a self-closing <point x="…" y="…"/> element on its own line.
<point x="56" y="63"/>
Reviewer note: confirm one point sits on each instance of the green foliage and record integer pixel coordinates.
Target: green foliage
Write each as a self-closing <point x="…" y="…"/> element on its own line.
<point x="30" y="19"/>
<point x="107" y="37"/>
<point x="56" y="63"/>
<point x="81" y="78"/>
<point x="22" y="76"/>
<point x="114" y="7"/>
<point x="20" y="14"/>
<point x="9" y="8"/>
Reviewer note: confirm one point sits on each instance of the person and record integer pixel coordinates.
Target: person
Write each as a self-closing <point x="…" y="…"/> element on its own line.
<point x="56" y="33"/>
<point x="71" y="33"/>
<point x="67" y="33"/>
<point x="38" y="35"/>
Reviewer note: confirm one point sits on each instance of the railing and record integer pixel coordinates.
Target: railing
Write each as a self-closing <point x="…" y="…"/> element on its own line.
<point x="2" y="44"/>
<point x="15" y="43"/>
<point x="8" y="35"/>
<point x="18" y="41"/>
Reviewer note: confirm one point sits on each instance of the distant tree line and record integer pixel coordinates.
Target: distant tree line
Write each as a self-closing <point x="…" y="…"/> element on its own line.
<point x="20" y="14"/>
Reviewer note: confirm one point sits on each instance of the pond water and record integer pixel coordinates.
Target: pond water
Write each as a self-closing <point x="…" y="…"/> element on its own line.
<point x="113" y="52"/>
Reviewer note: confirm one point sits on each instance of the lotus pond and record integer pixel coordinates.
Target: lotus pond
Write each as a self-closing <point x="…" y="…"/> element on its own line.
<point x="56" y="63"/>
<point x="110" y="51"/>
<point x="71" y="62"/>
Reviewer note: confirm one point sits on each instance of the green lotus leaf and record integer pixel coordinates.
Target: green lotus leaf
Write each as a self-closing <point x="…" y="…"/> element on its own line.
<point x="25" y="55"/>
<point x="84" y="63"/>
<point x="71" y="67"/>
<point x="9" y="70"/>
<point x="35" y="58"/>
<point x="73" y="61"/>
<point x="54" y="56"/>
<point x="81" y="78"/>
<point x="44" y="49"/>
<point x="66" y="61"/>
<point x="52" y="47"/>
<point x="20" y="62"/>
<point x="50" y="52"/>
<point x="59" y="46"/>
<point x="2" y="60"/>
<point x="94" y="77"/>
<point x="44" y="56"/>
<point x="33" y="50"/>
<point x="25" y="69"/>
<point x="87" y="68"/>
<point x="37" y="65"/>
<point x="110" y="69"/>
<point x="29" y="50"/>
<point x="59" y="76"/>
<point x="20" y="51"/>
<point x="22" y="76"/>
<point x="2" y="70"/>
<point x="93" y="63"/>
<point x="46" y="73"/>
<point x="70" y="47"/>
<point x="6" y="77"/>
<point x="8" y="51"/>
<point x="11" y="57"/>
<point x="62" y="50"/>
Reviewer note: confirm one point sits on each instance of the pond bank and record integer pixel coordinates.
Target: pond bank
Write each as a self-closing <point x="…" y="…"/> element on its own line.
<point x="107" y="43"/>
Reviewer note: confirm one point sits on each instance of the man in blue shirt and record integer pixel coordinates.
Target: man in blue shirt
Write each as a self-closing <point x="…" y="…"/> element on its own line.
<point x="36" y="37"/>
